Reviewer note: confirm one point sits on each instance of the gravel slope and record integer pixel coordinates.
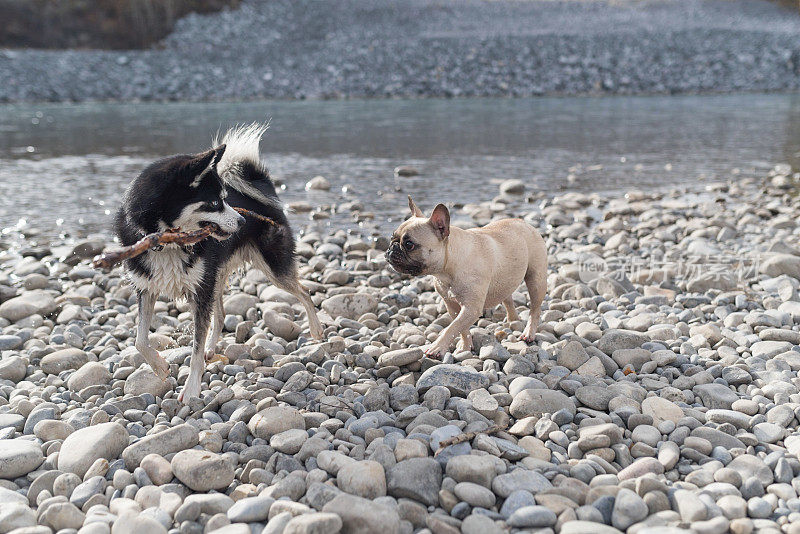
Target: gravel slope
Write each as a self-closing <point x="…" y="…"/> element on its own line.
<point x="374" y="48"/>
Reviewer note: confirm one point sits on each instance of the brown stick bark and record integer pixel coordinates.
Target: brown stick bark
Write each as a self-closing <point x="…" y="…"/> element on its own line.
<point x="110" y="258"/>
<point x="248" y="213"/>
<point x="467" y="436"/>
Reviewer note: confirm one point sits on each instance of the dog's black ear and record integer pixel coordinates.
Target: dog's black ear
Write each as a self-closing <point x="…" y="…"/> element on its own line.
<point x="440" y="220"/>
<point x="200" y="163"/>
<point x="219" y="151"/>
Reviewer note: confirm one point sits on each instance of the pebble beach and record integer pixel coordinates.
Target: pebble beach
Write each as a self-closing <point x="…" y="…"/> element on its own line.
<point x="661" y="394"/>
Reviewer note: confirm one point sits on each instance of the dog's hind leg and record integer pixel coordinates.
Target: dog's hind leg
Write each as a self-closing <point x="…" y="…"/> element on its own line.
<point x="217" y="324"/>
<point x="202" y="304"/>
<point x="292" y="285"/>
<point x="147" y="304"/>
<point x="536" y="282"/>
<point x="281" y="269"/>
<point x="511" y="311"/>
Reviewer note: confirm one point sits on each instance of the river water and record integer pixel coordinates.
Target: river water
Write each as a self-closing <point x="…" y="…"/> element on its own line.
<point x="65" y="166"/>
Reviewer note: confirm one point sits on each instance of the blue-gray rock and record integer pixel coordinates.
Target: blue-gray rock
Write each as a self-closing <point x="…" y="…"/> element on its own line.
<point x="530" y="402"/>
<point x="628" y="509"/>
<point x="350" y="305"/>
<point x="474" y="494"/>
<point x="85" y="490"/>
<point x="319" y="494"/>
<point x="40" y="413"/>
<point x="759" y="508"/>
<point x="715" y="395"/>
<point x="274" y="420"/>
<point x="175" y="439"/>
<point x="64" y="359"/>
<point x="202" y="470"/>
<point x="749" y="466"/>
<point x="516" y="500"/>
<point x="18" y="457"/>
<point x="9" y="342"/>
<point x="605" y="505"/>
<point x="472" y="468"/>
<point x="250" y="509"/>
<point x="525" y="382"/>
<point x="17" y="517"/>
<point x="399" y="357"/>
<point x="314" y="523"/>
<point x="83" y="447"/>
<point x="736" y="376"/>
<point x="520" y="479"/>
<point x="13" y="368"/>
<point x="588" y="527"/>
<point x="751" y="487"/>
<point x="532" y="517"/>
<point x="362" y="516"/>
<point x="459" y="379"/>
<point x="30" y="302"/>
<point x="718" y="438"/>
<point x="415" y="478"/>
<point x="617" y="339"/>
<point x="12" y="420"/>
<point x="509" y="450"/>
<point x="595" y="397"/>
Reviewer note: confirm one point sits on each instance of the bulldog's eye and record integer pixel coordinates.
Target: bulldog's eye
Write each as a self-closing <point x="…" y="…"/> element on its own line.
<point x="409" y="245"/>
<point x="216" y="204"/>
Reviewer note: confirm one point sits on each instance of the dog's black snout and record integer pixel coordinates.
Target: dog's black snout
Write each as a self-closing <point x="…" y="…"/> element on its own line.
<point x="392" y="250"/>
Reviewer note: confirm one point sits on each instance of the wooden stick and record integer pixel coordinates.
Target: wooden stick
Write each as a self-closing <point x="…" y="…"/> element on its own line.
<point x="110" y="258"/>
<point x="248" y="213"/>
<point x="467" y="436"/>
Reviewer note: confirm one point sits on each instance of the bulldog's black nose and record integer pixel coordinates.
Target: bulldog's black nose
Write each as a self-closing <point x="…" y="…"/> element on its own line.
<point x="392" y="250"/>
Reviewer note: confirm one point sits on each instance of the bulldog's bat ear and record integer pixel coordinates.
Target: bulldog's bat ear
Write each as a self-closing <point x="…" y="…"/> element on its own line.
<point x="440" y="220"/>
<point x="415" y="211"/>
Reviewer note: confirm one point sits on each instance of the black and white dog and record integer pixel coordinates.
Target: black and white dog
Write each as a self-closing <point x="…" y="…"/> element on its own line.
<point x="192" y="191"/>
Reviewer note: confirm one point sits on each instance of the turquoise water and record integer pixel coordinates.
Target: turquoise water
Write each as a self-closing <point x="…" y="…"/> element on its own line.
<point x="70" y="163"/>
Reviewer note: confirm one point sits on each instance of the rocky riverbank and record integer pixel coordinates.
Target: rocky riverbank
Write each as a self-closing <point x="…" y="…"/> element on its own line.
<point x="661" y="393"/>
<point x="379" y="48"/>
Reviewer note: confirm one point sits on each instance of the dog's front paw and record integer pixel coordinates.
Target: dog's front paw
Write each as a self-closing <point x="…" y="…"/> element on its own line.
<point x="314" y="326"/>
<point x="190" y="390"/>
<point x="316" y="332"/>
<point x="434" y="350"/>
<point x="529" y="335"/>
<point x="160" y="368"/>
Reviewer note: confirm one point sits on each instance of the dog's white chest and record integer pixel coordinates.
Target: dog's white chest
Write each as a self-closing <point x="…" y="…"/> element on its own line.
<point x="170" y="274"/>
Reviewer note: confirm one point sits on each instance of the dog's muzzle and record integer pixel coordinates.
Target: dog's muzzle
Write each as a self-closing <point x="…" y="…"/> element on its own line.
<point x="393" y="253"/>
<point x="398" y="259"/>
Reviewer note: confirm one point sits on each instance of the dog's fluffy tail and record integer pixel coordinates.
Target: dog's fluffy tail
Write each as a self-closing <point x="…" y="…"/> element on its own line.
<point x="242" y="142"/>
<point x="240" y="167"/>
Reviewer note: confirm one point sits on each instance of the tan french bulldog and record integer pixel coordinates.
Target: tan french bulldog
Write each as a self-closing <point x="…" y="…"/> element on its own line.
<point x="474" y="269"/>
